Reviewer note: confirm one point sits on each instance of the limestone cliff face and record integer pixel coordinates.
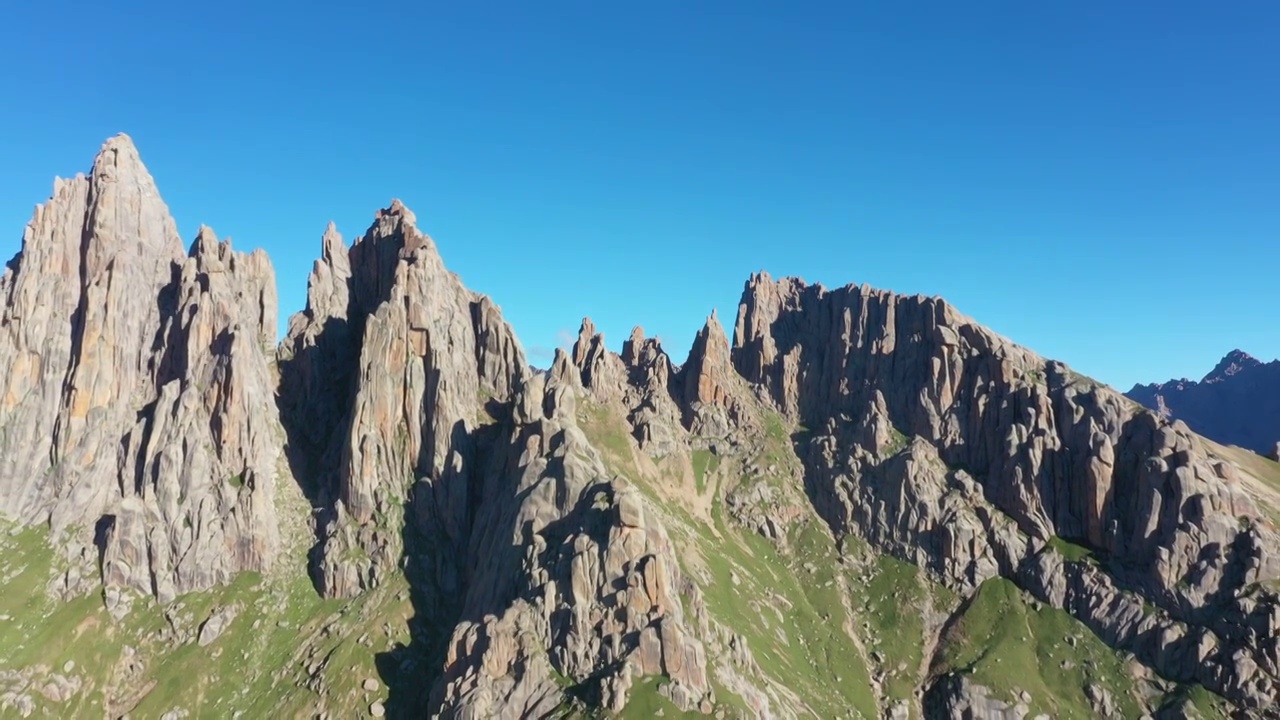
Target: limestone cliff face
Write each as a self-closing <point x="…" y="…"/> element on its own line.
<point x="137" y="407"/>
<point x="989" y="433"/>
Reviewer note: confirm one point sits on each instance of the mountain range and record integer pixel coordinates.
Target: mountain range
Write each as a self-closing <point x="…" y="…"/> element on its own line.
<point x="1237" y="403"/>
<point x="862" y="504"/>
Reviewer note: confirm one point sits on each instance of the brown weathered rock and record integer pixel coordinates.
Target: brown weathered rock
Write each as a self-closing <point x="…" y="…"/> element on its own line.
<point x="708" y="370"/>
<point x="709" y="382"/>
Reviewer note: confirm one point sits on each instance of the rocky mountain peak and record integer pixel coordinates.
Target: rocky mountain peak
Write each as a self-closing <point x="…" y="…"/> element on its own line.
<point x="123" y="348"/>
<point x="331" y="245"/>
<point x="1230" y="364"/>
<point x="398" y="210"/>
<point x="1237" y="403"/>
<point x="632" y="347"/>
<point x="588" y="339"/>
<point x="385" y="390"/>
<point x="76" y="338"/>
<point x="118" y="158"/>
<point x="601" y="370"/>
<point x="708" y="369"/>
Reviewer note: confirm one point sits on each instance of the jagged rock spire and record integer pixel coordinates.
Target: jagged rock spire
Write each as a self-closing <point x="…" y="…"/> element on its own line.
<point x="412" y="358"/>
<point x="601" y="370"/>
<point x="75" y="337"/>
<point x="708" y="369"/>
<point x="122" y="348"/>
<point x="427" y="447"/>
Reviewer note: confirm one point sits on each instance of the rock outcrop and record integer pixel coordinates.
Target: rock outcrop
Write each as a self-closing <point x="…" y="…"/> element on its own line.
<point x="1237" y="403"/>
<point x="136" y="412"/>
<point x="642" y="380"/>
<point x="80" y="316"/>
<point x="201" y="463"/>
<point x="958" y="698"/>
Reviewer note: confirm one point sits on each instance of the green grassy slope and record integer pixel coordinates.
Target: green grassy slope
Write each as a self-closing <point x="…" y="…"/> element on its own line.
<point x="788" y="601"/>
<point x="286" y="653"/>
<point x="1011" y="644"/>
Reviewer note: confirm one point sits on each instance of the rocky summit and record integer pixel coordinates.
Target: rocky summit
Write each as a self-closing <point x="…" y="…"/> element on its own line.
<point x="857" y="504"/>
<point x="1237" y="403"/>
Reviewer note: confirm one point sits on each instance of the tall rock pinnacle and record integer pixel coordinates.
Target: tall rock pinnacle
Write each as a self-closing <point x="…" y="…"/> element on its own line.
<point x="386" y="371"/>
<point x="708" y="368"/>
<point x="113" y="335"/>
<point x="75" y="337"/>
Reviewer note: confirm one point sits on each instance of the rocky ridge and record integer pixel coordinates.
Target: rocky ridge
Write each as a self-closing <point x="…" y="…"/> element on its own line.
<point x="564" y="537"/>
<point x="1006" y="452"/>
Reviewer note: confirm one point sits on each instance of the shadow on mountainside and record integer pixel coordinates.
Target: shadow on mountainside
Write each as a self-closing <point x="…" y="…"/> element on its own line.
<point x="410" y="671"/>
<point x="314" y="398"/>
<point x="438" y="571"/>
<point x="317" y="388"/>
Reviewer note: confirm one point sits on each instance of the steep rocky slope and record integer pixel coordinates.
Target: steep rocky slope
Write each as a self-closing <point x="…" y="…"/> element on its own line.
<point x="861" y="505"/>
<point x="1006" y="452"/>
<point x="1237" y="403"/>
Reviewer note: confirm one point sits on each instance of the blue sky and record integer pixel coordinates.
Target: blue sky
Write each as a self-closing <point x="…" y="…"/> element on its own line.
<point x="1098" y="181"/>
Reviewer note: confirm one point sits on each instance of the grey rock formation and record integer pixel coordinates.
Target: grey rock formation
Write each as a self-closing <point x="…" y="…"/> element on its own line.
<point x="213" y="627"/>
<point x="391" y="367"/>
<point x="1237" y="403"/>
<point x="958" y="698"/>
<point x="581" y="579"/>
<point x="137" y="412"/>
<point x="201" y="464"/>
<point x="710" y="402"/>
<point x="652" y="410"/>
<point x="76" y="340"/>
<point x="642" y="380"/>
<point x="1053" y="452"/>
<point x="436" y="424"/>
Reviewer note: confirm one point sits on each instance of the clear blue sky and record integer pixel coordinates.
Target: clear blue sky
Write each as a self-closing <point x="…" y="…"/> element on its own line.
<point x="1099" y="181"/>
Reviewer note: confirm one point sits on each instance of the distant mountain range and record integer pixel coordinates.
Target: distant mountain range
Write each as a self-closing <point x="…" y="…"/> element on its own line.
<point x="1237" y="403"/>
